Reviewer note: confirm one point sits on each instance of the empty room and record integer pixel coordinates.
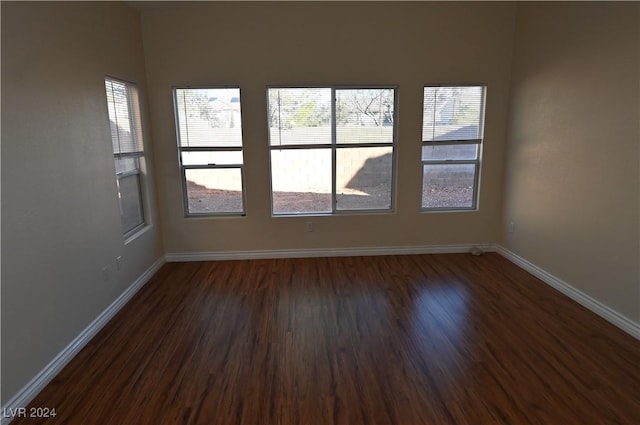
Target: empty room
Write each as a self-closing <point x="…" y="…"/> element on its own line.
<point x="320" y="213"/>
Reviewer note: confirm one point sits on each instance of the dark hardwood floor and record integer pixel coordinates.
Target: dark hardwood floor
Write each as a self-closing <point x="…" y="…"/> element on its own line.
<point x="416" y="339"/>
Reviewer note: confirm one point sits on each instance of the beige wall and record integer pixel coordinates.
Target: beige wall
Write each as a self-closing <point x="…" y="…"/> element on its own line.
<point x="60" y="217"/>
<point x="573" y="170"/>
<point x="258" y="44"/>
<point x="572" y="165"/>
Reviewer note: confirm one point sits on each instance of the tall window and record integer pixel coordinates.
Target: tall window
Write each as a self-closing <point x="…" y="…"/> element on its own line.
<point x="128" y="151"/>
<point x="452" y="132"/>
<point x="332" y="149"/>
<point x="210" y="143"/>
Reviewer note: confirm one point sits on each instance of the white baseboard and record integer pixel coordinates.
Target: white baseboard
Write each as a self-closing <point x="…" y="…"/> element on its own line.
<point x="323" y="252"/>
<point x="607" y="313"/>
<point x="37" y="384"/>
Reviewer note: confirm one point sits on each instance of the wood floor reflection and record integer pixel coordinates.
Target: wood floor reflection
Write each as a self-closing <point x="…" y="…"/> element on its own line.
<point x="417" y="339"/>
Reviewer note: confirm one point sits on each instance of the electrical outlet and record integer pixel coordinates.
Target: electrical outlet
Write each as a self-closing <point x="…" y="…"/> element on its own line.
<point x="511" y="227"/>
<point x="309" y="226"/>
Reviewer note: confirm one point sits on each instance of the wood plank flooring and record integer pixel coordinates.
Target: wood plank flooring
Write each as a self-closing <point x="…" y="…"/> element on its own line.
<point x="417" y="339"/>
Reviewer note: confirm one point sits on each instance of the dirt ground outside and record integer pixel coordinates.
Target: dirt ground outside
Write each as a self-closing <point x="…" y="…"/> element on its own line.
<point x="207" y="201"/>
<point x="302" y="181"/>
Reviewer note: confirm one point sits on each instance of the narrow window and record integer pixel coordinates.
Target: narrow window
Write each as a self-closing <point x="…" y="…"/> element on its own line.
<point x="128" y="151"/>
<point x="209" y="131"/>
<point x="332" y="149"/>
<point x="452" y="132"/>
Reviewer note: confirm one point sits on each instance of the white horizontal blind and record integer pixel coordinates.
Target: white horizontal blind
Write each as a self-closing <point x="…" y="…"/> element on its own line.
<point x="452" y="113"/>
<point x="124" y="118"/>
<point x="299" y="116"/>
<point x="208" y="117"/>
<point x="364" y="115"/>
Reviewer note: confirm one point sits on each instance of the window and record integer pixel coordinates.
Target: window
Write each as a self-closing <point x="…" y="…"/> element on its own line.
<point x="126" y="137"/>
<point x="209" y="133"/>
<point x="332" y="149"/>
<point x="452" y="128"/>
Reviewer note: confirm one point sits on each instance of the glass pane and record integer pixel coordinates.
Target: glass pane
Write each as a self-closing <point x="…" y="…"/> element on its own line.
<point x="124" y="165"/>
<point x="452" y="113"/>
<point x="211" y="158"/>
<point x="130" y="202"/>
<point x="217" y="190"/>
<point x="301" y="180"/>
<point x="363" y="178"/>
<point x="209" y="117"/>
<point x="299" y="116"/>
<point x="448" y="186"/>
<point x="364" y="115"/>
<point x="449" y="152"/>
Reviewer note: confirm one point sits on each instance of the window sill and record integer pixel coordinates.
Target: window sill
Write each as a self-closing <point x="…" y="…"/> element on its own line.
<point x="214" y="216"/>
<point x="136" y="233"/>
<point x="334" y="214"/>
<point x="447" y="210"/>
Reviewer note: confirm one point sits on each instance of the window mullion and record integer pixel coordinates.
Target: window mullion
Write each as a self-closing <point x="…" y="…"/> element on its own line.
<point x="452" y="142"/>
<point x="125" y="155"/>
<point x="210" y="149"/>
<point x="334" y="154"/>
<point x="127" y="173"/>
<point x="298" y="146"/>
<point x="449" y="161"/>
<point x="211" y="166"/>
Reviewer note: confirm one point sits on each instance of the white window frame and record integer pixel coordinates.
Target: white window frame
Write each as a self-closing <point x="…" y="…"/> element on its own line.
<point x="184" y="168"/>
<point x="475" y="162"/>
<point x="135" y="125"/>
<point x="334" y="146"/>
